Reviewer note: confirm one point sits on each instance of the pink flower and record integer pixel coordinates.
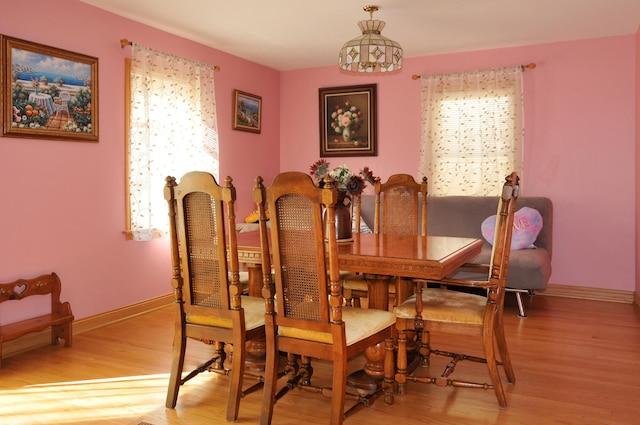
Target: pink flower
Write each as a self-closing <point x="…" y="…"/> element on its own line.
<point x="346" y="116"/>
<point x="352" y="183"/>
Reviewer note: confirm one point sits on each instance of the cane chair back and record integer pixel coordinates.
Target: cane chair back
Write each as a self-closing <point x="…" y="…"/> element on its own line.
<point x="61" y="103"/>
<point x="305" y="316"/>
<point x="207" y="288"/>
<point x="445" y="310"/>
<point x="401" y="206"/>
<point x="401" y="209"/>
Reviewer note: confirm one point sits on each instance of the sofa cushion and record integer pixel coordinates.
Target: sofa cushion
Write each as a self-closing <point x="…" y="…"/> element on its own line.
<point x="527" y="224"/>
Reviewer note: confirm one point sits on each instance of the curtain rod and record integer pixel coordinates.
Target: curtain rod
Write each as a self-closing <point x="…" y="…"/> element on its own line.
<point x="529" y="66"/>
<point x="124" y="43"/>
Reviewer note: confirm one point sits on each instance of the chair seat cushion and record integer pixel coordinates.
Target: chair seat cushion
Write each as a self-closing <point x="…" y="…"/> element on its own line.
<point x="357" y="282"/>
<point x="442" y="305"/>
<point x="253" y="315"/>
<point x="253" y="311"/>
<point x="359" y="324"/>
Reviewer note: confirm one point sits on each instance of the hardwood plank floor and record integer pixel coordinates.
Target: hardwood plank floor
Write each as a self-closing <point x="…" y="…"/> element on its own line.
<point x="576" y="362"/>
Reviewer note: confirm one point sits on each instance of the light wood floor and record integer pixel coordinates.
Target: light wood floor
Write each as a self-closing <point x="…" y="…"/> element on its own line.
<point x="576" y="362"/>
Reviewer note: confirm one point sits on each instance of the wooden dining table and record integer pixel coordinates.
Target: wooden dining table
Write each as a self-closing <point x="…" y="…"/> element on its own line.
<point x="380" y="257"/>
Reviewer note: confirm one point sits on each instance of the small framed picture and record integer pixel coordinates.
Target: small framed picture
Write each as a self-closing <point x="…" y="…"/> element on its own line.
<point x="48" y="93"/>
<point x="348" y="121"/>
<point x="247" y="112"/>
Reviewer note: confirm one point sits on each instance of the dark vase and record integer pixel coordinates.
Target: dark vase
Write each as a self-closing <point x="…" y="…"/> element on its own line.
<point x="343" y="217"/>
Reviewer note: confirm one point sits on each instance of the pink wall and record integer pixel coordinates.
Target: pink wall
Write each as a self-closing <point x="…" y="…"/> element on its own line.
<point x="637" y="179"/>
<point x="579" y="148"/>
<point x="63" y="202"/>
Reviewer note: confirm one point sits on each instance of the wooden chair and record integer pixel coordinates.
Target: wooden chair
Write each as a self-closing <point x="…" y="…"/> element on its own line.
<point x="208" y="302"/>
<point x="61" y="103"/>
<point x="456" y="312"/>
<point x="400" y="208"/>
<point x="305" y="316"/>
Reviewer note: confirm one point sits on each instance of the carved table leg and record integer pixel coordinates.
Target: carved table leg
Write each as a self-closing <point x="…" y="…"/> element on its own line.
<point x="256" y="348"/>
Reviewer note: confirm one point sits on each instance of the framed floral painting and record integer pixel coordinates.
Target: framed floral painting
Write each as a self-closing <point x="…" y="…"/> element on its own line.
<point x="247" y="112"/>
<point x="348" y="121"/>
<point x="48" y="93"/>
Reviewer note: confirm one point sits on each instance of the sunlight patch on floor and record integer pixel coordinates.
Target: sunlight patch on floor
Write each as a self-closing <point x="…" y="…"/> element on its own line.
<point x="93" y="400"/>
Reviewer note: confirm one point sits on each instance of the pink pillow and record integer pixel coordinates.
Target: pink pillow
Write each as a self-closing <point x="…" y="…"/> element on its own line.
<point x="527" y="224"/>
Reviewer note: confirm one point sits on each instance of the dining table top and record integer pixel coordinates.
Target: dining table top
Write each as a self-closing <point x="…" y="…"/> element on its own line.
<point x="422" y="257"/>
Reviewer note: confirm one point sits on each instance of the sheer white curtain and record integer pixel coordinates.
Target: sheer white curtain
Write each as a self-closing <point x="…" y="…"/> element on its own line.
<point x="472" y="130"/>
<point x="173" y="130"/>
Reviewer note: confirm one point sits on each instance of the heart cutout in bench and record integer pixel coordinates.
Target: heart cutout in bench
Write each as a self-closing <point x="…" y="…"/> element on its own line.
<point x="20" y="288"/>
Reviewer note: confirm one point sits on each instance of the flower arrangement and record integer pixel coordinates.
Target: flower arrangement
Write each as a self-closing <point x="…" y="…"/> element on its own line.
<point x="348" y="117"/>
<point x="28" y="117"/>
<point x="348" y="181"/>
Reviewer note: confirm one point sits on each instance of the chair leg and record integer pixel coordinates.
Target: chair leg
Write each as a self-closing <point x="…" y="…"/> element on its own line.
<point x="389" y="381"/>
<point x="492" y="365"/>
<point x="270" y="378"/>
<point x="235" y="383"/>
<point x="425" y="347"/>
<point x="401" y="372"/>
<point x="177" y="363"/>
<point x="501" y="341"/>
<point x="338" y="389"/>
<point x="306" y="370"/>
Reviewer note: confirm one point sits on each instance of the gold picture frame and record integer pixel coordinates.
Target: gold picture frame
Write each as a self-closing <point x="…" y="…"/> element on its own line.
<point x="348" y="121"/>
<point x="247" y="112"/>
<point x="48" y="93"/>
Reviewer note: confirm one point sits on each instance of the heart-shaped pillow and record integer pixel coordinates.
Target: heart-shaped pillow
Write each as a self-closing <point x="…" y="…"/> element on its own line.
<point x="527" y="224"/>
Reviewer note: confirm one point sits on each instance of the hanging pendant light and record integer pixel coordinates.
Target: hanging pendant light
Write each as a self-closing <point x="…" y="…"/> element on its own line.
<point x="371" y="52"/>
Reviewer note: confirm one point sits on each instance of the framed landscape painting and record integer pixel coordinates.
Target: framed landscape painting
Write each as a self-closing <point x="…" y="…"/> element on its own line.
<point x="247" y="112"/>
<point x="48" y="93"/>
<point x="348" y="121"/>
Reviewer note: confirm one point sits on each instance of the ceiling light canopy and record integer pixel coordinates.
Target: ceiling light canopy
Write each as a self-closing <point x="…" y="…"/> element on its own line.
<point x="371" y="52"/>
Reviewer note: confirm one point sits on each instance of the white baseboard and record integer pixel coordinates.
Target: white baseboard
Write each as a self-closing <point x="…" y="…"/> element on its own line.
<point x="39" y="339"/>
<point x="595" y="294"/>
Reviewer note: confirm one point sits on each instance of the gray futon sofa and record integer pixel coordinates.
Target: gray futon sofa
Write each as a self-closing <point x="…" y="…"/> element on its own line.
<point x="529" y="268"/>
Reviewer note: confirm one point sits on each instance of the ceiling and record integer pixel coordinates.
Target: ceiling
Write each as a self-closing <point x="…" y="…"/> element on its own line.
<point x="295" y="34"/>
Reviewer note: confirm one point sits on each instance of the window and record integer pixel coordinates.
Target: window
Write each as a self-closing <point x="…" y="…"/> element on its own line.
<point x="171" y="130"/>
<point x="472" y="131"/>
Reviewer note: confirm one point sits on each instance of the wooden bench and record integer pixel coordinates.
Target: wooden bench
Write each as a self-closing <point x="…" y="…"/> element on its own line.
<point x="59" y="319"/>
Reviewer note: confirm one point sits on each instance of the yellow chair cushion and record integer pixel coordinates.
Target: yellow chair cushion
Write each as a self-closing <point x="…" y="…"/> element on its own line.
<point x="253" y="315"/>
<point x="442" y="305"/>
<point x="252" y="217"/>
<point x="255" y="216"/>
<point x="359" y="324"/>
